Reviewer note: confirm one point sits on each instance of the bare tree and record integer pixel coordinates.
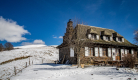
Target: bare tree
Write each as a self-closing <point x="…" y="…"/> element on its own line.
<point x="136" y="36"/>
<point x="1" y="47"/>
<point x="8" y="46"/>
<point x="77" y="21"/>
<point x="129" y="60"/>
<point x="74" y="40"/>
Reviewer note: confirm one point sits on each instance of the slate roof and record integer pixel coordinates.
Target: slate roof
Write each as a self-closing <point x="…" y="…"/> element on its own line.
<point x="84" y="29"/>
<point x="81" y="32"/>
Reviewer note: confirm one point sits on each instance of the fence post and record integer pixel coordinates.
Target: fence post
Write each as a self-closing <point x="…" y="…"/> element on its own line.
<point x="15" y="70"/>
<point x="29" y="60"/>
<point x="26" y="64"/>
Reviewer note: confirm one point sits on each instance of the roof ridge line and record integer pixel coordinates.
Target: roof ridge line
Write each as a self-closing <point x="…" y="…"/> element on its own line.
<point x="95" y="27"/>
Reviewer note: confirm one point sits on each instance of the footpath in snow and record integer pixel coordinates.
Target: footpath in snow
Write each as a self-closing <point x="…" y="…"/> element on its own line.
<point x="51" y="71"/>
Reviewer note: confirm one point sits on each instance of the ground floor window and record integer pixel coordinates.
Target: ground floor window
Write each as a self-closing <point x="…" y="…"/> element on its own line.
<point x="96" y="51"/>
<point x="71" y="52"/>
<point x="104" y="51"/>
<point x="88" y="51"/>
<point x="109" y="52"/>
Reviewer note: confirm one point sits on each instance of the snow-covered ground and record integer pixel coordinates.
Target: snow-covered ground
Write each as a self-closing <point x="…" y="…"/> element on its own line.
<point x="43" y="67"/>
<point x="38" y="55"/>
<point x="50" y="71"/>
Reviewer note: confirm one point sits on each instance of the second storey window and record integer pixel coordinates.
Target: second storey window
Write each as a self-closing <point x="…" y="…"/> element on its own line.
<point x="93" y="36"/>
<point x="120" y="39"/>
<point x="106" y="38"/>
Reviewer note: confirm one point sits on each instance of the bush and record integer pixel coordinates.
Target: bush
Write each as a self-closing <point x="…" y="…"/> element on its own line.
<point x="129" y="60"/>
<point x="1" y="47"/>
<point x="8" y="46"/>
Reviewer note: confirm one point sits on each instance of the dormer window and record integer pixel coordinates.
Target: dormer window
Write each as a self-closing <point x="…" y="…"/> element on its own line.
<point x="93" y="36"/>
<point x="106" y="38"/>
<point x="106" y="35"/>
<point x="120" y="39"/>
<point x="117" y="37"/>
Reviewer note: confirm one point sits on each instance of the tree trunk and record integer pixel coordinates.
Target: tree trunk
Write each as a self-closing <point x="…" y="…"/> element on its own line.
<point x="78" y="62"/>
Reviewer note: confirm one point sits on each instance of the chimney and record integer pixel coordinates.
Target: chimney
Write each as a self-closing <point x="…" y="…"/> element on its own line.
<point x="70" y="23"/>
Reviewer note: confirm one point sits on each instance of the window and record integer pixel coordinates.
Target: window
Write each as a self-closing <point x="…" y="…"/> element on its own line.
<point x="109" y="52"/>
<point x="114" y="38"/>
<point x="71" y="52"/>
<point x="88" y="51"/>
<point x="120" y="39"/>
<point x="102" y="37"/>
<point x="92" y="36"/>
<point x="96" y="51"/>
<point x="100" y="51"/>
<point x="104" y="51"/>
<point x="107" y="38"/>
<point x="132" y="51"/>
<point x="125" y="51"/>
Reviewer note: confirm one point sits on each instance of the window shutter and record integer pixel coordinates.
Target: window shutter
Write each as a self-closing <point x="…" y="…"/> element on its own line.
<point x="100" y="51"/>
<point x="104" y="38"/>
<point x="116" y="38"/>
<point x="71" y="52"/>
<point x="113" y="53"/>
<point x="96" y="51"/>
<point x="132" y="51"/>
<point x="122" y="52"/>
<point x="86" y="51"/>
<point x="125" y="51"/>
<point x="110" y="38"/>
<point x="109" y="52"/>
<point x="97" y="37"/>
<point x="122" y="39"/>
<point x="89" y="36"/>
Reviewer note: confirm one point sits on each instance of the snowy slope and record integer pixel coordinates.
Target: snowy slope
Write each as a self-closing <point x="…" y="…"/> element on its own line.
<point x="31" y="50"/>
<point x="38" y="53"/>
<point x="30" y="46"/>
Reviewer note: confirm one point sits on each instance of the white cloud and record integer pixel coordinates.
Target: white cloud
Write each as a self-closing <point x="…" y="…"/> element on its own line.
<point x="61" y="37"/>
<point x="54" y="37"/>
<point x="11" y="31"/>
<point x="38" y="42"/>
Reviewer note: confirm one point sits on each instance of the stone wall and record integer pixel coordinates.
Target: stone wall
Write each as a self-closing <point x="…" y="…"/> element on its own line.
<point x="66" y="51"/>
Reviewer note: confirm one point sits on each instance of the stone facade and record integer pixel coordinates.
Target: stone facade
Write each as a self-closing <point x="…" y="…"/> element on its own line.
<point x="100" y="44"/>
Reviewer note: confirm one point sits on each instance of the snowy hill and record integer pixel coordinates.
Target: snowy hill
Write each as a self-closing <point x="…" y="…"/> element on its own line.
<point x="30" y="46"/>
<point x="37" y="53"/>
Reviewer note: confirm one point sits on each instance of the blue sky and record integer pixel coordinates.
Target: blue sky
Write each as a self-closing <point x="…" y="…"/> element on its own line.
<point x="44" y="21"/>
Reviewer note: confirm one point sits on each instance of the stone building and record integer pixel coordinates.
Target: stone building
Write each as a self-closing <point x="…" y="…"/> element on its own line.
<point x="95" y="42"/>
